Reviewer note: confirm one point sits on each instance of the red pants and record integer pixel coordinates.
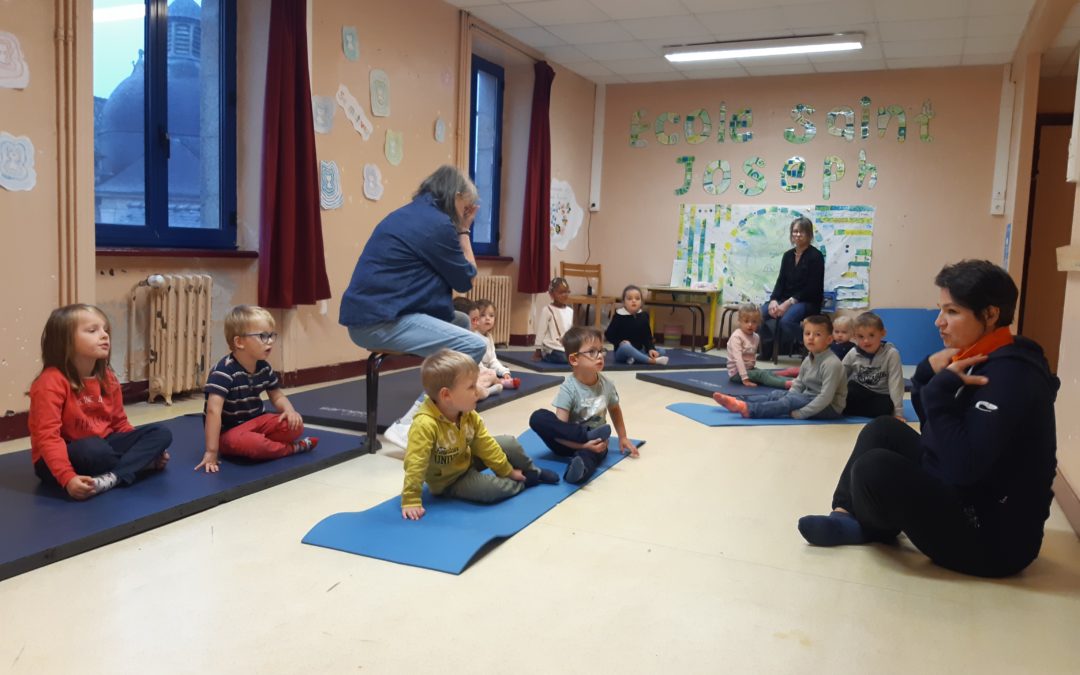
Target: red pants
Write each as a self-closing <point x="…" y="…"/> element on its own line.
<point x="261" y="438"/>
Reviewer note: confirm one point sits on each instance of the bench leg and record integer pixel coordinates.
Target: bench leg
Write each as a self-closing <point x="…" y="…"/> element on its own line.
<point x="374" y="362"/>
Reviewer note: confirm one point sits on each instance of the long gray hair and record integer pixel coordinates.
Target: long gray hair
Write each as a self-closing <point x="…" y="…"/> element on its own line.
<point x="444" y="185"/>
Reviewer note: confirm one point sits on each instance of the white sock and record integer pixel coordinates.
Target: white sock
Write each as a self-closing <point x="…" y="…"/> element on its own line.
<point x="495" y="388"/>
<point x="661" y="360"/>
<point x="104" y="482"/>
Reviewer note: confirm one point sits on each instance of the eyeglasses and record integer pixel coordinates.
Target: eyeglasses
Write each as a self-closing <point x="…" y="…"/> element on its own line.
<point x="265" y="338"/>
<point x="592" y="353"/>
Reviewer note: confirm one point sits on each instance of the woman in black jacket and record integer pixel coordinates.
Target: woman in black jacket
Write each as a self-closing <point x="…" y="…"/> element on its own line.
<point x="799" y="288"/>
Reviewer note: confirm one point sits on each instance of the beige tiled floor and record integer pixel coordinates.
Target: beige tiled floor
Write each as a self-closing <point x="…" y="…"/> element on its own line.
<point x="686" y="560"/>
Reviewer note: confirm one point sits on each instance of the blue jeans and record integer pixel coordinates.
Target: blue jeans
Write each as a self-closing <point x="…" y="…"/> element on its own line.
<point x="789" y="328"/>
<point x="422" y="335"/>
<point x="124" y="453"/>
<point x="781" y="403"/>
<point x="626" y="351"/>
<point x="550" y="429"/>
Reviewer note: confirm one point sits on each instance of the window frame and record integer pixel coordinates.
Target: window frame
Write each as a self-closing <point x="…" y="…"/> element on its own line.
<point x="480" y="64"/>
<point x="156" y="231"/>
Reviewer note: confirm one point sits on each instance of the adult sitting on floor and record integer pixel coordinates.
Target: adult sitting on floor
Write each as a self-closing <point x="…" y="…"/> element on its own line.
<point x="973" y="491"/>
<point x="798" y="291"/>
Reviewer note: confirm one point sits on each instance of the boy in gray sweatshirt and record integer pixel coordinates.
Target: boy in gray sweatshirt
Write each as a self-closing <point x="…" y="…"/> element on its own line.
<point x="874" y="371"/>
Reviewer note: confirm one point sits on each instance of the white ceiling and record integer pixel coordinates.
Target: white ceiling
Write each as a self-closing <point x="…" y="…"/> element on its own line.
<point x="614" y="41"/>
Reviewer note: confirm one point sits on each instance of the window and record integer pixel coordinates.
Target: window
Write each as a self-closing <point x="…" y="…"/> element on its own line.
<point x="485" y="152"/>
<point x="165" y="123"/>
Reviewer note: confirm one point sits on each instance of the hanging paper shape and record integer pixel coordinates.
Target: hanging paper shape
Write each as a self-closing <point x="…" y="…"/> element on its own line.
<point x="864" y="123"/>
<point x="752" y="168"/>
<point x="709" y="181"/>
<point x="834" y="171"/>
<point x="354" y="112"/>
<point x="792" y="174"/>
<point x="847" y="131"/>
<point x="350" y="43"/>
<point x="638" y="126"/>
<point x="886" y="114"/>
<point x="380" y="93"/>
<point x="866" y="171"/>
<point x="566" y="214"/>
<point x="689" y="126"/>
<point x="14" y="71"/>
<point x="923" y="120"/>
<point x="322" y="110"/>
<point x="440" y="129"/>
<point x="395" y="147"/>
<point x="373" y="187"/>
<point x="721" y="123"/>
<point x="744" y="119"/>
<point x="16" y="163"/>
<point x="801" y="115"/>
<point x="658" y="127"/>
<point x="688" y="162"/>
<point x="330" y="196"/>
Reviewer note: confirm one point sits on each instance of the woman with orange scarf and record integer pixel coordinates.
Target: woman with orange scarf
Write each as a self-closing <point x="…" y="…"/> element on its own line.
<point x="972" y="491"/>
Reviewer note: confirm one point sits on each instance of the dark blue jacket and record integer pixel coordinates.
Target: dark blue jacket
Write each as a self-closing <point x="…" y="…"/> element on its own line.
<point x="409" y="265"/>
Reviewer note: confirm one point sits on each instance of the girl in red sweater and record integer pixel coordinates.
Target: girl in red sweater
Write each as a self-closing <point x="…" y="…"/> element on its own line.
<point x="80" y="437"/>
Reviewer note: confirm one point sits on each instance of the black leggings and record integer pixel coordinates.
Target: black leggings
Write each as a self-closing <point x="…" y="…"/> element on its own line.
<point x="885" y="487"/>
<point x="861" y="402"/>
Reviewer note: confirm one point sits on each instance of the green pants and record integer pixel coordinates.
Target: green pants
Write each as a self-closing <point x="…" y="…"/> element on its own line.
<point x="762" y="377"/>
<point x="487" y="488"/>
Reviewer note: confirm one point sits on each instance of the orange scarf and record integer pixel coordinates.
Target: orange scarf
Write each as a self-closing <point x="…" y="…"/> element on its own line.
<point x="988" y="343"/>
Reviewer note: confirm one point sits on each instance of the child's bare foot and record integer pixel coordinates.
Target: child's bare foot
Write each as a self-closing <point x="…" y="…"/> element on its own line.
<point x="161" y="462"/>
<point x="731" y="403"/>
<point x="787" y="385"/>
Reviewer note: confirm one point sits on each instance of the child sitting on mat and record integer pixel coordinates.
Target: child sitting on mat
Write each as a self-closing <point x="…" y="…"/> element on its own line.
<point x="578" y="428"/>
<point x="555" y="320"/>
<point x="874" y="371"/>
<point x="80" y="437"/>
<point x="235" y="424"/>
<point x="742" y="348"/>
<point x="842" y="334"/>
<point x="819" y="392"/>
<point x="449" y="446"/>
<point x="489" y="382"/>
<point x="484" y="324"/>
<point x="630" y="333"/>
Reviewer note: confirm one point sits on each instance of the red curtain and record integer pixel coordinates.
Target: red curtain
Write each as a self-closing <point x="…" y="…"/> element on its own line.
<point x="292" y="266"/>
<point x="535" y="267"/>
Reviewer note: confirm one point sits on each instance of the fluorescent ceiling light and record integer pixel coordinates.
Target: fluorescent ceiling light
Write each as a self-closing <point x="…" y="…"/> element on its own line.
<point x="119" y="13"/>
<point x="745" y="49"/>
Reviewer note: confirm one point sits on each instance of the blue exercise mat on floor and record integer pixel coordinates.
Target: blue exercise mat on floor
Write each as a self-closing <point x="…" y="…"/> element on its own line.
<point x="677" y="358"/>
<point x="707" y="382"/>
<point x="41" y="524"/>
<point x="452" y="532"/>
<point x="344" y="405"/>
<point x="716" y="416"/>
<point x="913" y="332"/>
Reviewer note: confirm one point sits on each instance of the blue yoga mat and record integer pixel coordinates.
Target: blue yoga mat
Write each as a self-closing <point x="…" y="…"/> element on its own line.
<point x="344" y="405"/>
<point x="913" y="332"/>
<point x="41" y="524"/>
<point x="707" y="382"/>
<point x="452" y="532"/>
<point x="677" y="358"/>
<point x="716" y="416"/>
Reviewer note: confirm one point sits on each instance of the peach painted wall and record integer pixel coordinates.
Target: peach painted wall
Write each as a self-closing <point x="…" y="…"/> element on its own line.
<point x="1068" y="401"/>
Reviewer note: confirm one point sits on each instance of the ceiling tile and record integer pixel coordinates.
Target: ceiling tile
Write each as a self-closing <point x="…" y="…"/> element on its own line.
<point x="469" y="4"/>
<point x="607" y="79"/>
<point x="609" y="51"/>
<point x="654" y="77"/>
<point x="849" y="66"/>
<point x="745" y="23"/>
<point x="535" y="37"/>
<point x="828" y="15"/>
<point x="867" y="53"/>
<point x="916" y="48"/>
<point x="589" y="33"/>
<point x="640" y="9"/>
<point x="1000" y="7"/>
<point x="923" y="62"/>
<point x="1068" y="37"/>
<point x="501" y="16"/>
<point x="985" y="59"/>
<point x="891" y="10"/>
<point x="895" y="31"/>
<point x="991" y="45"/>
<point x="557" y="12"/>
<point x="589" y="68"/>
<point x="702" y="6"/>
<point x="715" y="73"/>
<point x="655" y="64"/>
<point x="759" y="70"/>
<point x="989" y="26"/>
<point x="685" y="28"/>
<point x="565" y="54"/>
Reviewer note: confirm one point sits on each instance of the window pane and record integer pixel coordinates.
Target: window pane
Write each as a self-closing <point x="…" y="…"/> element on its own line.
<point x="119" y="109"/>
<point x="484" y="158"/>
<point x="194" y="67"/>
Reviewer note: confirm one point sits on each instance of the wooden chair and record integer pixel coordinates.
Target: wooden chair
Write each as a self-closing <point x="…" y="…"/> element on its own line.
<point x="596" y="299"/>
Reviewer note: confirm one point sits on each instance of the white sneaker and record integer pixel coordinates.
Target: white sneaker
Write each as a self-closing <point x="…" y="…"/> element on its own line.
<point x="661" y="360"/>
<point x="398" y="434"/>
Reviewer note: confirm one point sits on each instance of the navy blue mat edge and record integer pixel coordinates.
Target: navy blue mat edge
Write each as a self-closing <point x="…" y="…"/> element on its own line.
<point x="671" y="380"/>
<point x="524" y="359"/>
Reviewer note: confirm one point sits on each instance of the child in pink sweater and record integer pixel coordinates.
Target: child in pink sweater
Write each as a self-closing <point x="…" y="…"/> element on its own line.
<point x="742" y="350"/>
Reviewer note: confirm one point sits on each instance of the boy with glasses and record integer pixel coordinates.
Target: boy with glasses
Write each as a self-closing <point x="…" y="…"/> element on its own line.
<point x="235" y="424"/>
<point x="578" y="428"/>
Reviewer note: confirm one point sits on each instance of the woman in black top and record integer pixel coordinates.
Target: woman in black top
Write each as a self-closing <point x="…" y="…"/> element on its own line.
<point x="798" y="290"/>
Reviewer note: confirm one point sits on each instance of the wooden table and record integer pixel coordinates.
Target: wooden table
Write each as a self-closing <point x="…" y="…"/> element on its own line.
<point x="710" y="297"/>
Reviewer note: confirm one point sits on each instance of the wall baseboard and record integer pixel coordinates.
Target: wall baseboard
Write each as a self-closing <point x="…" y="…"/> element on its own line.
<point x="1068" y="500"/>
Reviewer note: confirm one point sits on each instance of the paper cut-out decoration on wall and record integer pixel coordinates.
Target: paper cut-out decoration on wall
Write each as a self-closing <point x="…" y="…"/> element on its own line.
<point x="709" y="181"/>
<point x="721" y="123"/>
<point x="886" y="114"/>
<point x="688" y="163"/>
<point x="14" y="71"/>
<point x="322" y="109"/>
<point x="866" y="171"/>
<point x="701" y="232"/>
<point x="792" y="174"/>
<point x="350" y="43"/>
<point x="373" y="187"/>
<point x="801" y="114"/>
<point x="395" y="147"/>
<point x="354" y="112"/>
<point x="330" y="195"/>
<point x="638" y="126"/>
<point x="440" y="129"/>
<point x="380" y="93"/>
<point x="923" y="120"/>
<point x="16" y="163"/>
<point x="864" y="123"/>
<point x="658" y="126"/>
<point x="693" y="137"/>
<point x="834" y="171"/>
<point x="751" y="168"/>
<point x="744" y="119"/>
<point x="566" y="214"/>
<point x="847" y="131"/>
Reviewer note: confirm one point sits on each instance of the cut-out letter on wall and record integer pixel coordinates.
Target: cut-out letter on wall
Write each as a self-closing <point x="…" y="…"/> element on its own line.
<point x="440" y="130"/>
<point x="791" y="176"/>
<point x="638" y="126"/>
<point x="740" y="125"/>
<point x="923" y="120"/>
<point x="322" y="109"/>
<point x="801" y="114"/>
<point x="721" y="123"/>
<point x="395" y="147"/>
<point x="658" y="126"/>
<point x="354" y="112"/>
<point x="16" y="163"/>
<point x="688" y="177"/>
<point x="14" y="71"/>
<point x="867" y="172"/>
<point x="330" y="195"/>
<point x="379" y="83"/>
<point x="709" y="182"/>
<point x="689" y="126"/>
<point x="847" y="131"/>
<point x="373" y="187"/>
<point x="752" y="168"/>
<point x="886" y="114"/>
<point x="350" y="43"/>
<point x="864" y="122"/>
<point x="834" y="171"/>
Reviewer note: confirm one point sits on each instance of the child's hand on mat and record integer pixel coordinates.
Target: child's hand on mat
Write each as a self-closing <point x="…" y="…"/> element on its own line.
<point x="596" y="445"/>
<point x="963" y="364"/>
<point x="627" y="447"/>
<point x="412" y="512"/>
<point x="653" y="353"/>
<point x="292" y="419"/>
<point x="517" y="475"/>
<point x="940" y="360"/>
<point x="209" y="462"/>
<point x="80" y="487"/>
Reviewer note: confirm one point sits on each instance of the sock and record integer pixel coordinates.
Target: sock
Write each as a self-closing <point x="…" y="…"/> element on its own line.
<point x="536" y="475"/>
<point x="630" y="361"/>
<point x="575" y="473"/>
<point x="836" y="529"/>
<point x="495" y="389"/>
<point x="602" y="432"/>
<point x="661" y="360"/>
<point x="512" y="383"/>
<point x="305" y="444"/>
<point x="105" y="482"/>
<point x="787" y="372"/>
<point x="731" y="403"/>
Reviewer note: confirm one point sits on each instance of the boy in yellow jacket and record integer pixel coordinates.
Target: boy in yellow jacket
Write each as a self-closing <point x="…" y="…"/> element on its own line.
<point x="449" y="446"/>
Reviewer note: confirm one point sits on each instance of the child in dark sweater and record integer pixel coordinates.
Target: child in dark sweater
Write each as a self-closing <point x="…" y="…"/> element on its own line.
<point x="629" y="331"/>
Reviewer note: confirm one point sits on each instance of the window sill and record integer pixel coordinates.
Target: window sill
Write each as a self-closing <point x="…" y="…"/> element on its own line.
<point x="494" y="258"/>
<point x="118" y="252"/>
